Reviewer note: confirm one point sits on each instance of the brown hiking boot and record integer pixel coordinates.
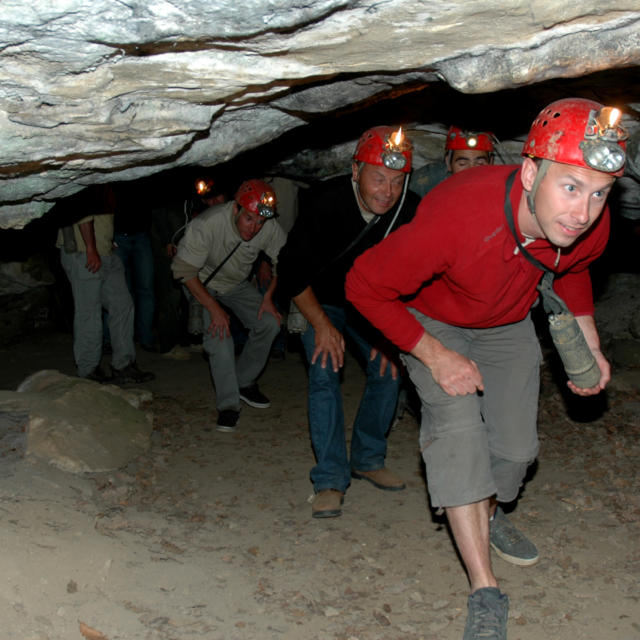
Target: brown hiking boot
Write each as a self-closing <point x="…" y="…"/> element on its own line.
<point x="381" y="479"/>
<point x="327" y="504"/>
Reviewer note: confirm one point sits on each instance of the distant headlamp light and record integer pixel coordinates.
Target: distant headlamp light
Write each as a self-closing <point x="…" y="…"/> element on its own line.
<point x="204" y="187"/>
<point x="267" y="205"/>
<point x="395" y="146"/>
<point x="600" y="148"/>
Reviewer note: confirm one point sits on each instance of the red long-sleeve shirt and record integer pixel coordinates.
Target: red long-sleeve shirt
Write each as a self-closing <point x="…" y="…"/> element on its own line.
<point x="457" y="264"/>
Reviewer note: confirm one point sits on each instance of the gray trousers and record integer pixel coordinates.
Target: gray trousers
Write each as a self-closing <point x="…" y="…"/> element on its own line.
<point x="91" y="292"/>
<point x="480" y="445"/>
<point x="228" y="375"/>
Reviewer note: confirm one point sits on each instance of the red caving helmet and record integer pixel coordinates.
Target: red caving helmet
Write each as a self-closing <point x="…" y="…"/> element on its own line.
<point x="458" y="139"/>
<point x="384" y="146"/>
<point x="579" y="132"/>
<point x="258" y="197"/>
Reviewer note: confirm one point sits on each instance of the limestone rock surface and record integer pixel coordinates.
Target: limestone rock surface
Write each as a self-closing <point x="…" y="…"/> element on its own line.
<point x="95" y="91"/>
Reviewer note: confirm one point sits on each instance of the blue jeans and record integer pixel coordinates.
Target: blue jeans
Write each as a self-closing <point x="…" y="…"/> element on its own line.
<point x="326" y="417"/>
<point x="135" y="252"/>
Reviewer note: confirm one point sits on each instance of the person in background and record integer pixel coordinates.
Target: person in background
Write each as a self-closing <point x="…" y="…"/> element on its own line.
<point x="97" y="280"/>
<point x="132" y="244"/>
<point x="462" y="150"/>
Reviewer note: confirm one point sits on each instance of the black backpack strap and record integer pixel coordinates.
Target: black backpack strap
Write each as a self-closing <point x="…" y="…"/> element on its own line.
<point x="213" y="273"/>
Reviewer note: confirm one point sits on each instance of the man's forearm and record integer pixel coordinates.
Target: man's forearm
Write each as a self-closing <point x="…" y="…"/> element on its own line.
<point x="200" y="293"/>
<point x="88" y="235"/>
<point x="427" y="349"/>
<point x="588" y="326"/>
<point x="311" y="308"/>
<point x="268" y="294"/>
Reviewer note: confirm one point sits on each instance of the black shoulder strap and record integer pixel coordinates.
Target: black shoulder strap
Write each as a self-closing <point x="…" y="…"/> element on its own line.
<point x="508" y="212"/>
<point x="213" y="273"/>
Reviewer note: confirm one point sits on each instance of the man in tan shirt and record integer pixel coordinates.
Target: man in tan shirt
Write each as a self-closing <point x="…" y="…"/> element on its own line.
<point x="214" y="260"/>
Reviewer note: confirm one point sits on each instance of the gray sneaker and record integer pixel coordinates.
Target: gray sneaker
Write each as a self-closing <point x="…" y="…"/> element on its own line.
<point x="510" y="543"/>
<point x="487" y="616"/>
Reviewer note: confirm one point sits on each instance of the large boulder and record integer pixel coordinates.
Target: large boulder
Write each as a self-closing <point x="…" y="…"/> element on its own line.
<point x="77" y="425"/>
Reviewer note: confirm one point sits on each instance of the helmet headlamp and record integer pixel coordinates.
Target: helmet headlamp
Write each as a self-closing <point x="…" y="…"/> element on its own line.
<point x="603" y="156"/>
<point x="600" y="148"/>
<point x="395" y="146"/>
<point x="267" y="205"/>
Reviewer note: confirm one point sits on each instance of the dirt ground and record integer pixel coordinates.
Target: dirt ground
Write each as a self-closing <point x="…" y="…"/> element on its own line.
<point x="209" y="535"/>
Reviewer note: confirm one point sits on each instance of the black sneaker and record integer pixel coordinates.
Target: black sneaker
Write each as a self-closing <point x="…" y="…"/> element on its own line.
<point x="98" y="375"/>
<point x="254" y="398"/>
<point x="227" y="420"/>
<point x="131" y="375"/>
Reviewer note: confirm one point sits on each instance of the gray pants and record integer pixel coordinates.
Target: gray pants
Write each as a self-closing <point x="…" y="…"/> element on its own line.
<point x="228" y="375"/>
<point x="480" y="445"/>
<point x="91" y="292"/>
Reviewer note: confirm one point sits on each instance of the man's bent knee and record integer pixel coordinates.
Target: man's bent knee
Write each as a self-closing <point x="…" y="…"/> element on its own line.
<point x="508" y="476"/>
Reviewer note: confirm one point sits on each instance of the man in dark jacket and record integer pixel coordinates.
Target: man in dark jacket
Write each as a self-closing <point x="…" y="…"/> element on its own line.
<point x="342" y="218"/>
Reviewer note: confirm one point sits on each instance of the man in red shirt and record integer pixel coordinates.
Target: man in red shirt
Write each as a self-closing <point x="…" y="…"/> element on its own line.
<point x="472" y="351"/>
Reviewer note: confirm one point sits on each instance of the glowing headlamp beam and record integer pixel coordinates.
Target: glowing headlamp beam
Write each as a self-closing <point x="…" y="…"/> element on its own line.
<point x="608" y="118"/>
<point x="397" y="138"/>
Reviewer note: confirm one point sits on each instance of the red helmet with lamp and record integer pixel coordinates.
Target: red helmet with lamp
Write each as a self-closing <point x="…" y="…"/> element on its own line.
<point x="579" y="132"/>
<point x="384" y="146"/>
<point x="258" y="197"/>
<point x="458" y="139"/>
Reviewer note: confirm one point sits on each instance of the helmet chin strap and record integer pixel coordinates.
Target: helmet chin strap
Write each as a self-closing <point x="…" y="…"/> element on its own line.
<point x="543" y="167"/>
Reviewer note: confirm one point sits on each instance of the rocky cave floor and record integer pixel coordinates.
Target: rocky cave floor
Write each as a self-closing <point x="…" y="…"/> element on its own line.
<point x="209" y="535"/>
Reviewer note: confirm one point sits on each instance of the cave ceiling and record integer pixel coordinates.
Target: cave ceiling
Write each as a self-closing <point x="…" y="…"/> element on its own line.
<point x="95" y="91"/>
